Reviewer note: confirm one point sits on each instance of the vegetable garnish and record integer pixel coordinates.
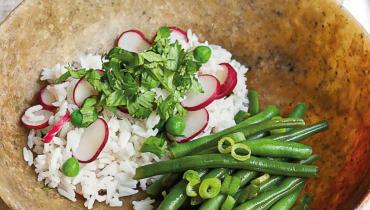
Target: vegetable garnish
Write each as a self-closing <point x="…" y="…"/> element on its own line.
<point x="130" y="78"/>
<point x="209" y="188"/>
<point x="193" y="179"/>
<point x="225" y="141"/>
<point x="230" y="185"/>
<point x="175" y="125"/>
<point x="202" y="54"/>
<point x="71" y="167"/>
<point x="241" y="152"/>
<point x="228" y="203"/>
<point x="154" y="145"/>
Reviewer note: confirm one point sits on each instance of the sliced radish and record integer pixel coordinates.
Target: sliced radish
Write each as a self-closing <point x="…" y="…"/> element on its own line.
<point x="82" y="91"/>
<point x="178" y="34"/>
<point x="133" y="41"/>
<point x="56" y="128"/>
<point x="228" y="80"/>
<point x="46" y="99"/>
<point x="92" y="141"/>
<point x="195" y="101"/>
<point x="37" y="124"/>
<point x="196" y="122"/>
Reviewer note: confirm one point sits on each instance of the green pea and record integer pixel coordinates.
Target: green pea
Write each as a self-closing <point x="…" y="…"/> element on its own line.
<point x="202" y="54"/>
<point x="71" y="167"/>
<point x="175" y="126"/>
<point x="76" y="118"/>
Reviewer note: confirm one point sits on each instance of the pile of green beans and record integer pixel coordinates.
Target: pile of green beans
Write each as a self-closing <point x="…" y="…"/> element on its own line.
<point x="286" y="162"/>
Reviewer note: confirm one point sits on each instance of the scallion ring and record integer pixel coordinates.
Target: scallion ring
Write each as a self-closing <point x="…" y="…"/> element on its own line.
<point x="222" y="142"/>
<point x="241" y="152"/>
<point x="209" y="188"/>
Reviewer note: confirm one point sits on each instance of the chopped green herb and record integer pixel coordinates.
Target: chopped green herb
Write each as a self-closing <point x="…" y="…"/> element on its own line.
<point x="154" y="145"/>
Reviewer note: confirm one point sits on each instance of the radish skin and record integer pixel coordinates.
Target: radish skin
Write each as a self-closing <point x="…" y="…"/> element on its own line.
<point x="37" y="124"/>
<point x="92" y="142"/>
<point x="196" y="122"/>
<point x="56" y="128"/>
<point x="211" y="89"/>
<point x="133" y="40"/>
<point x="46" y="99"/>
<point x="229" y="83"/>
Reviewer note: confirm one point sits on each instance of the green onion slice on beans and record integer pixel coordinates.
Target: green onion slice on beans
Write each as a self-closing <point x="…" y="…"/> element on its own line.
<point x="193" y="179"/>
<point x="241" y="152"/>
<point x="209" y="188"/>
<point x="228" y="141"/>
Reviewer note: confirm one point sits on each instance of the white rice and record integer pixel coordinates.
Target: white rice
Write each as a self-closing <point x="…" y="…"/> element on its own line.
<point x="113" y="170"/>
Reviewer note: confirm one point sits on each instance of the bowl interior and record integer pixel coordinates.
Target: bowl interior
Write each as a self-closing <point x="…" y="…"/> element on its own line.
<point x="309" y="51"/>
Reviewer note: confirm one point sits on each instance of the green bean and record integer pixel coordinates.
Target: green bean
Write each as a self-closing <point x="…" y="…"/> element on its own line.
<point x="245" y="176"/>
<point x="273" y="181"/>
<point x="288" y="201"/>
<point x="254" y="103"/>
<point x="298" y="111"/>
<point x="257" y="135"/>
<point x="301" y="133"/>
<point x="267" y="199"/>
<point x="271" y="148"/>
<point x="213" y="203"/>
<point x="179" y="150"/>
<point x="163" y="183"/>
<point x="177" y="195"/>
<point x="225" y="161"/>
<point x="240" y="116"/>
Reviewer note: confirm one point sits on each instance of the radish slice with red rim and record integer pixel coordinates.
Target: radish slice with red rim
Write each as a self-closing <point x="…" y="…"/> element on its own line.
<point x="133" y="41"/>
<point x="196" y="122"/>
<point x="37" y="124"/>
<point x="92" y="142"/>
<point x="46" y="99"/>
<point x="82" y="91"/>
<point x="195" y="101"/>
<point x="228" y="80"/>
<point x="56" y="128"/>
<point x="178" y="34"/>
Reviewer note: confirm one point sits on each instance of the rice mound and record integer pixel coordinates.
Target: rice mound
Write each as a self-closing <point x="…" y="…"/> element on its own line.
<point x="109" y="177"/>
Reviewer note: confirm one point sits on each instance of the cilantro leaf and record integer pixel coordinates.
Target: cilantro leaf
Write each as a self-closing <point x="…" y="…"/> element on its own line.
<point x="142" y="106"/>
<point x="174" y="55"/>
<point x="76" y="74"/>
<point x="117" y="98"/>
<point x="151" y="56"/>
<point x="154" y="145"/>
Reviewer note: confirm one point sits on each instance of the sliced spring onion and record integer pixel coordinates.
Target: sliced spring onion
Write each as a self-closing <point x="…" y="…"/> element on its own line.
<point x="191" y="176"/>
<point x="241" y="152"/>
<point x="228" y="141"/>
<point x="191" y="189"/>
<point x="209" y="188"/>
<point x="260" y="180"/>
<point x="230" y="185"/>
<point x="228" y="203"/>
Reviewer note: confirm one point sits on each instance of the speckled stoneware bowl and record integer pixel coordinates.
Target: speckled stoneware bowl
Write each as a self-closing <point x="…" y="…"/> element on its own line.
<point x="297" y="50"/>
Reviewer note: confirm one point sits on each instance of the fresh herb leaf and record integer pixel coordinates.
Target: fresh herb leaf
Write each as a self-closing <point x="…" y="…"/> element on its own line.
<point x="117" y="98"/>
<point x="151" y="56"/>
<point x="142" y="106"/>
<point x="74" y="73"/>
<point x="88" y="112"/>
<point x="154" y="145"/>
